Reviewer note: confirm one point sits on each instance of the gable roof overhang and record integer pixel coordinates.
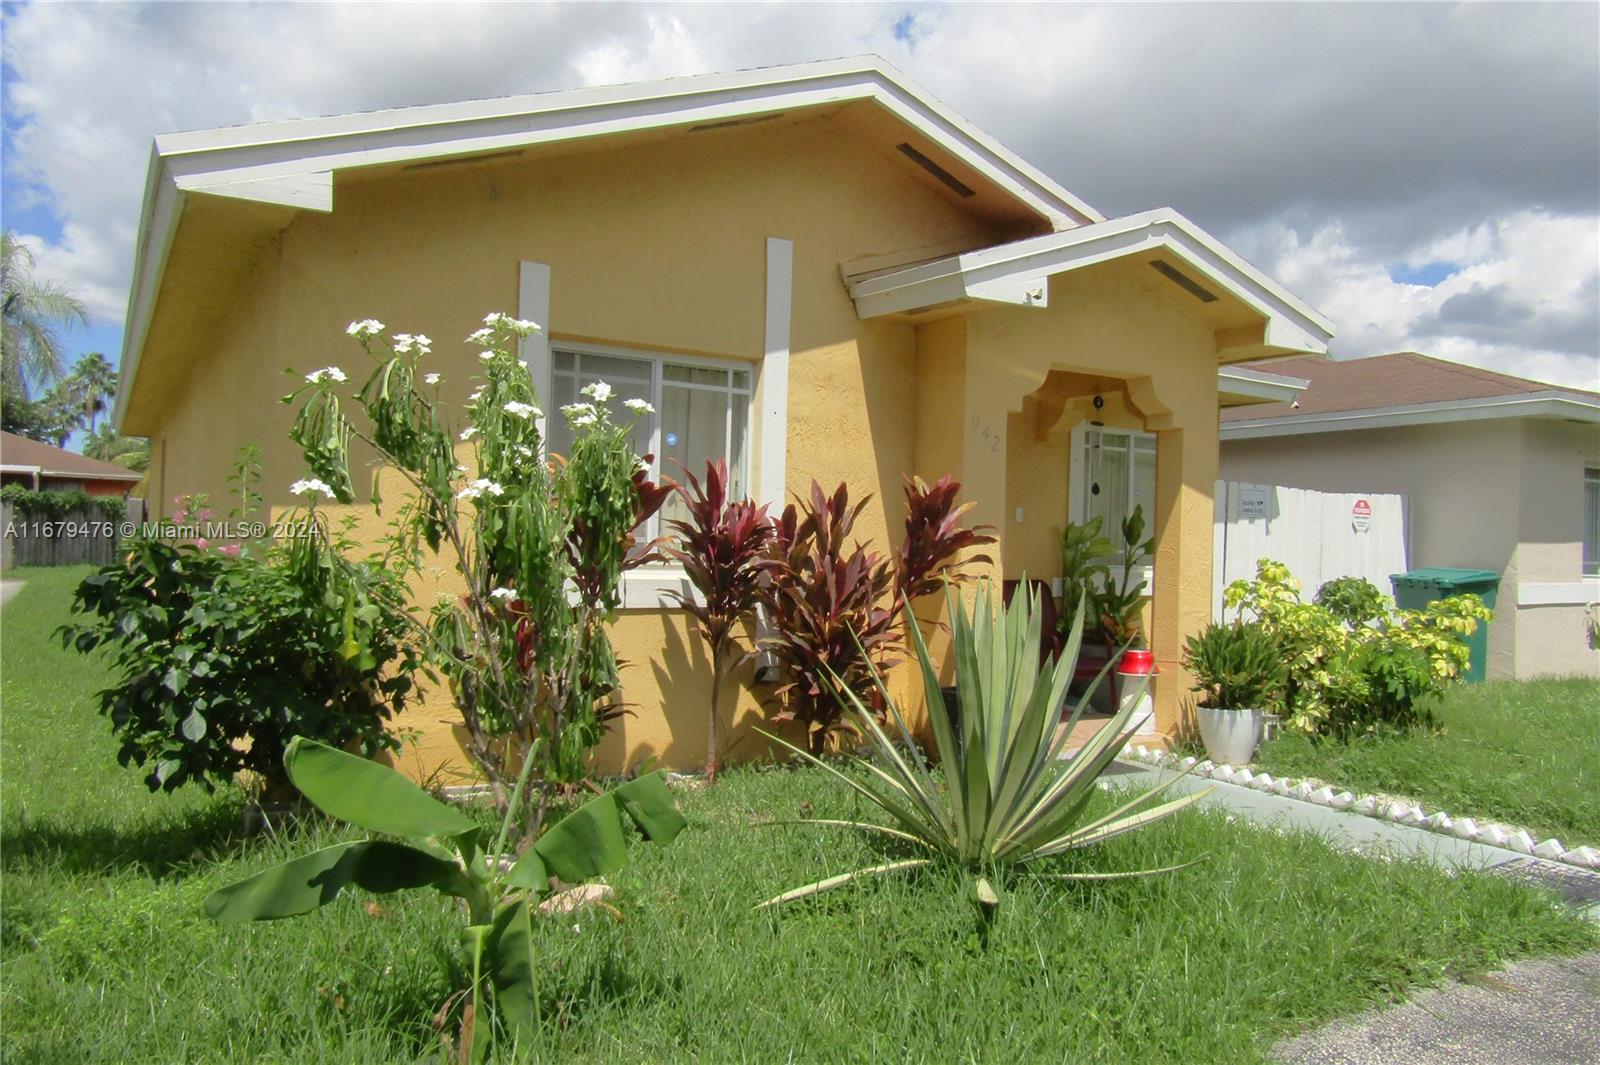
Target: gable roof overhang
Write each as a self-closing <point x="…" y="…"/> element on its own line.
<point x="282" y="168"/>
<point x="1552" y="403"/>
<point x="1018" y="273"/>
<point x="1241" y="386"/>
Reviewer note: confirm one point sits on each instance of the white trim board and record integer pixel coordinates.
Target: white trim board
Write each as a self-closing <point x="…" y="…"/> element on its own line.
<point x="1569" y="593"/>
<point x="1549" y="404"/>
<point x="292" y="163"/>
<point x="1259" y="385"/>
<point x="1017" y="273"/>
<point x="772" y="478"/>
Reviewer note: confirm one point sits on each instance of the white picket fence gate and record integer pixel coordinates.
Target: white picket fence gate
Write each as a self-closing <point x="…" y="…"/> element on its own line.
<point x="1318" y="535"/>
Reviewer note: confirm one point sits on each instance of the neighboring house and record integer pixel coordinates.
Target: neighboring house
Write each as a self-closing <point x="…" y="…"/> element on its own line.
<point x="43" y="467"/>
<point x="814" y="271"/>
<point x="1501" y="473"/>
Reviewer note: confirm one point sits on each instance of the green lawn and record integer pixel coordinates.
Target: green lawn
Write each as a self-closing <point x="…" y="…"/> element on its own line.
<point x="1523" y="752"/>
<point x="107" y="957"/>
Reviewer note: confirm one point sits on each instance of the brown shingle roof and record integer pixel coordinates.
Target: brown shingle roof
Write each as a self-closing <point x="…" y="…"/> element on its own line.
<point x="54" y="462"/>
<point x="1401" y="379"/>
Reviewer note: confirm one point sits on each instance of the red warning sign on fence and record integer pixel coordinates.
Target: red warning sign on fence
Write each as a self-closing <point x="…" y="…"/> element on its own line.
<point x="1361" y="516"/>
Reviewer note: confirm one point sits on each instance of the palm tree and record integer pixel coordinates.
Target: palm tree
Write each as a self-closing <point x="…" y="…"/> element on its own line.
<point x="129" y="452"/>
<point x="29" y="346"/>
<point x="90" y="386"/>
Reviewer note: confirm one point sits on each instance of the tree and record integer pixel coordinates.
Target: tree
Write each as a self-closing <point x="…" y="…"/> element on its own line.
<point x="30" y="348"/>
<point x="129" y="452"/>
<point x="90" y="387"/>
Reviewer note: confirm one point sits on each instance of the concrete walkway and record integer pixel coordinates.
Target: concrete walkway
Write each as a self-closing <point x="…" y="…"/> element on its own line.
<point x="9" y="589"/>
<point x="1540" y="1012"/>
<point x="1370" y="835"/>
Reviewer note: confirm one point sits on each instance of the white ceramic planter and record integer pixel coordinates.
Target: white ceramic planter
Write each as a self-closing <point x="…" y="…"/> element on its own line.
<point x="1231" y="736"/>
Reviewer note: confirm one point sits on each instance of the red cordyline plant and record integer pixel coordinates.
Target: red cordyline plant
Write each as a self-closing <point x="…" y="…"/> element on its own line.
<point x="830" y="609"/>
<point x="722" y="547"/>
<point x="835" y="611"/>
<point x="937" y="545"/>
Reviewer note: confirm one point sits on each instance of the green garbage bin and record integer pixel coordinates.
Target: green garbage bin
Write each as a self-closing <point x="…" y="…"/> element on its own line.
<point x="1416" y="589"/>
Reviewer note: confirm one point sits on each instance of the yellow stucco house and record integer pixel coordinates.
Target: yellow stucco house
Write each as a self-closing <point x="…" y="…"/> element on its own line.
<point x="815" y="271"/>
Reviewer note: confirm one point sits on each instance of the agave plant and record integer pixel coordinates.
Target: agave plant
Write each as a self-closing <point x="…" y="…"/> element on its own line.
<point x="448" y="851"/>
<point x="1004" y="792"/>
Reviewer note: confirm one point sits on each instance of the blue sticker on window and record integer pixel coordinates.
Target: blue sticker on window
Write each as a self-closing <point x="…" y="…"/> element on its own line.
<point x="672" y="439"/>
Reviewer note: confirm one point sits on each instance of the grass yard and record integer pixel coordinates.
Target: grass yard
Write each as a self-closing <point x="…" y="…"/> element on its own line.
<point x="1523" y="752"/>
<point x="107" y="957"/>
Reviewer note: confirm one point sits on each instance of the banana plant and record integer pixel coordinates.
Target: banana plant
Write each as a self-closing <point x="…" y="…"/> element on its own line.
<point x="423" y="843"/>
<point x="1005" y="792"/>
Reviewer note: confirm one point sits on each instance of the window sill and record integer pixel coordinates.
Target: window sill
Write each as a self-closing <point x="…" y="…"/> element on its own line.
<point x="646" y="588"/>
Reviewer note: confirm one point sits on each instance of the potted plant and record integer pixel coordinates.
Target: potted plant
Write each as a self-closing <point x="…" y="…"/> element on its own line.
<point x="1238" y="670"/>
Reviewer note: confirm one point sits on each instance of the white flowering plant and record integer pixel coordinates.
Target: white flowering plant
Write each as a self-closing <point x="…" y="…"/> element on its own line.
<point x="540" y="542"/>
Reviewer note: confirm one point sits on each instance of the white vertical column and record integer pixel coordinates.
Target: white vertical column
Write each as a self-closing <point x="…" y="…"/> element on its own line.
<point x="773" y="475"/>
<point x="533" y="305"/>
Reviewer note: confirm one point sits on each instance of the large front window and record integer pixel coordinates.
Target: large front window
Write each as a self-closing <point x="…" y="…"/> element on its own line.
<point x="702" y="412"/>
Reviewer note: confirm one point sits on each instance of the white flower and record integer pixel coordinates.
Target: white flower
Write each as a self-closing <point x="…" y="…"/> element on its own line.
<point x="523" y="450"/>
<point x="365" y="329"/>
<point x="327" y="373"/>
<point x="430" y="379"/>
<point x="405" y="344"/>
<point x="505" y="595"/>
<point x="311" y="485"/>
<point x="522" y="327"/>
<point x="486" y="356"/>
<point x="599" y="391"/>
<point x="638" y="406"/>
<point x="477" y="394"/>
<point x="494" y="319"/>
<point x="523" y="410"/>
<point x="482" y="486"/>
<point x="481" y="336"/>
<point x="469" y="432"/>
<point x="579" y="414"/>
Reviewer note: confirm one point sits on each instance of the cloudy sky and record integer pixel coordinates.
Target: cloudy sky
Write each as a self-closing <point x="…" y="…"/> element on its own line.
<point x="1427" y="176"/>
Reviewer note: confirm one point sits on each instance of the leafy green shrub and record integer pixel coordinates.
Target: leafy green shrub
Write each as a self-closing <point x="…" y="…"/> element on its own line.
<point x="1353" y="600"/>
<point x="1346" y="676"/>
<point x="1237" y="666"/>
<point x="222" y="658"/>
<point x="54" y="505"/>
<point x="1005" y="791"/>
<point x="1115" y="597"/>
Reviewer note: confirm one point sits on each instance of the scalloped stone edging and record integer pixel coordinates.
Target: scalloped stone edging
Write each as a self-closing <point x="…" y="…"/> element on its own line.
<point x="1384" y="807"/>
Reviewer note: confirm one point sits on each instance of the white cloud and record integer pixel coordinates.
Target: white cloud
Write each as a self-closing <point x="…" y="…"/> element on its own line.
<point x="1523" y="301"/>
<point x="1327" y="144"/>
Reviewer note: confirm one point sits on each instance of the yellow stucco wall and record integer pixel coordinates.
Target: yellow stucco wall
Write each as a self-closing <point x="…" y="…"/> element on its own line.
<point x="662" y="246"/>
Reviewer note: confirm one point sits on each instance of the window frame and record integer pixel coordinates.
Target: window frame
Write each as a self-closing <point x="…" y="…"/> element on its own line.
<point x="1078" y="479"/>
<point x="1590" y="566"/>
<point x="657" y="360"/>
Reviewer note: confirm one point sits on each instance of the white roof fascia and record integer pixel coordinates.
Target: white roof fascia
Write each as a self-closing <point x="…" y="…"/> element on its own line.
<point x="1550" y="404"/>
<point x="1292" y="323"/>
<point x="303" y="147"/>
<point x="1257" y="384"/>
